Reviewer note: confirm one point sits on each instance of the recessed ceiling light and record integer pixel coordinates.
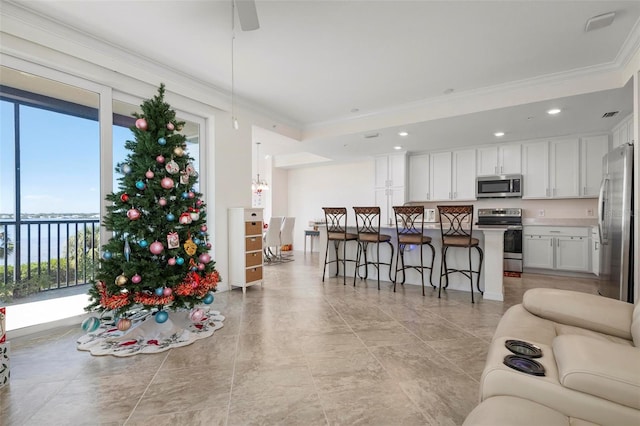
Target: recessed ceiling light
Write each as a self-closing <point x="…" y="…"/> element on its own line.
<point x="498" y="134"/>
<point x="397" y="147"/>
<point x="403" y="133"/>
<point x="554" y="111"/>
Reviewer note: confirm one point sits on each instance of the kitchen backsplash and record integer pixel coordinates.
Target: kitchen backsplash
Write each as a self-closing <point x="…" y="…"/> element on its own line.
<point x="579" y="208"/>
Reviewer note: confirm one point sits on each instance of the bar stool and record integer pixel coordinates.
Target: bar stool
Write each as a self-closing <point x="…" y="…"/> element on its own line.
<point x="458" y="235"/>
<point x="336" y="219"/>
<point x="368" y="226"/>
<point x="410" y="231"/>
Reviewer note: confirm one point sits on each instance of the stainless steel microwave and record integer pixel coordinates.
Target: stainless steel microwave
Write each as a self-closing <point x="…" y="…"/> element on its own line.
<point x="499" y="186"/>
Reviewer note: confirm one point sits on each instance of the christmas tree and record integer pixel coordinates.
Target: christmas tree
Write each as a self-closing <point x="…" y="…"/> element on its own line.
<point x="157" y="259"/>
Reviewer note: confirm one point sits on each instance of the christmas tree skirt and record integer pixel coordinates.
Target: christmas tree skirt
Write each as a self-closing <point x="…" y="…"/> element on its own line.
<point x="146" y="336"/>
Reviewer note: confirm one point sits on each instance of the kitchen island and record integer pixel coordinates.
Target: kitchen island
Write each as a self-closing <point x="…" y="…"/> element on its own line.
<point x="491" y="277"/>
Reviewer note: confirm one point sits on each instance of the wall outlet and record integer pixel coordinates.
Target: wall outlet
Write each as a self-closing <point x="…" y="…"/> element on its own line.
<point x="590" y="212"/>
<point x="541" y="213"/>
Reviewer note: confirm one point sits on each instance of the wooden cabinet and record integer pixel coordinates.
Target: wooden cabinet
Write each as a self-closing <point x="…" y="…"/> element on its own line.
<point x="419" y="178"/>
<point x="565" y="248"/>
<point x="499" y="160"/>
<point x="452" y="175"/>
<point x="390" y="184"/>
<point x="551" y="169"/>
<point x="592" y="149"/>
<point x="245" y="247"/>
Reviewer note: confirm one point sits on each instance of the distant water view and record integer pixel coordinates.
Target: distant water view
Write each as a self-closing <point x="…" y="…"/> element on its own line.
<point x="46" y="242"/>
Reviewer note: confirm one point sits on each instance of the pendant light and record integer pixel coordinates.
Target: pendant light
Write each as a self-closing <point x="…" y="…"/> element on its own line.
<point x="258" y="185"/>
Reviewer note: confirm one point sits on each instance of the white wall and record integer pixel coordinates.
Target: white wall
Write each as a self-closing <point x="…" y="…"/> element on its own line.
<point x="338" y="185"/>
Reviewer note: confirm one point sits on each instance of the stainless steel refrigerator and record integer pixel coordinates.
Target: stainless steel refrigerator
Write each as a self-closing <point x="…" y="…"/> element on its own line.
<point x="615" y="210"/>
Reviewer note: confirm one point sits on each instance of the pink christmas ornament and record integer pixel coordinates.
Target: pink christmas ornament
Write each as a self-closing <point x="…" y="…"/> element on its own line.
<point x="208" y="245"/>
<point x="203" y="228"/>
<point x="196" y="314"/>
<point x="133" y="214"/>
<point x="149" y="174"/>
<point x="167" y="291"/>
<point x="171" y="261"/>
<point x="141" y="124"/>
<point x="162" y="201"/>
<point x="191" y="194"/>
<point x="205" y="258"/>
<point x="136" y="279"/>
<point x="156" y="247"/>
<point x="170" y="126"/>
<point x="201" y="266"/>
<point x="160" y="159"/>
<point x="199" y="203"/>
<point x="166" y="183"/>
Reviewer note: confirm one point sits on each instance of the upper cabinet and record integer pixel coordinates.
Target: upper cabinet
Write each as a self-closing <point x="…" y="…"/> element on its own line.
<point x="623" y="132"/>
<point x="550" y="169"/>
<point x="391" y="170"/>
<point x="452" y="175"/>
<point x="564" y="170"/>
<point x="419" y="178"/>
<point x="592" y="149"/>
<point x="390" y="184"/>
<point x="499" y="160"/>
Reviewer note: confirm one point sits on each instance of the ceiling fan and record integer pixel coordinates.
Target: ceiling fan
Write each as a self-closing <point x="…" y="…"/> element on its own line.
<point x="247" y="14"/>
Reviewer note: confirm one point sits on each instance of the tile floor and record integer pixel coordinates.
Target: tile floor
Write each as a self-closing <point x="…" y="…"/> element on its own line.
<point x="293" y="352"/>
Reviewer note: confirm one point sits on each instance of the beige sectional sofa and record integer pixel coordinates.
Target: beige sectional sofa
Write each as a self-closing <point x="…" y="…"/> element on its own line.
<point x="591" y="354"/>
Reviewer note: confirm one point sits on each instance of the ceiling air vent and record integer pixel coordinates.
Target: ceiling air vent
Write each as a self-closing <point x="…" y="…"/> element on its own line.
<point x="610" y="114"/>
<point x="371" y="135"/>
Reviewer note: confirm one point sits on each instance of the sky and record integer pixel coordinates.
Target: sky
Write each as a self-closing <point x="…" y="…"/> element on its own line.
<point x="60" y="161"/>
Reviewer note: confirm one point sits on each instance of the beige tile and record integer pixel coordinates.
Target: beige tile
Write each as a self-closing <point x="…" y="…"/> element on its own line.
<point x="413" y="361"/>
<point x="381" y="403"/>
<point x="295" y="351"/>
<point x="348" y="370"/>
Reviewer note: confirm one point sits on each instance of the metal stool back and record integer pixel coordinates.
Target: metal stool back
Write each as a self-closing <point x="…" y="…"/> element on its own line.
<point x="336" y="220"/>
<point x="368" y="227"/>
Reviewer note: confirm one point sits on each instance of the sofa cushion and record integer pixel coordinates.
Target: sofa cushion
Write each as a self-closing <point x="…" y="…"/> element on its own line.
<point x="581" y="367"/>
<point x="510" y="410"/>
<point x="517" y="322"/>
<point x="635" y="325"/>
<point x="583" y="310"/>
<point x="499" y="380"/>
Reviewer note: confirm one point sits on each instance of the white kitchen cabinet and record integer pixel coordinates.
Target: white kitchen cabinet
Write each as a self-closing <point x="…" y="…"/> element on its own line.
<point x="535" y="169"/>
<point x="390" y="184"/>
<point x="592" y="149"/>
<point x="463" y="176"/>
<point x="419" y="178"/>
<point x="245" y="247"/>
<point x="537" y="251"/>
<point x="565" y="248"/>
<point x="564" y="170"/>
<point x="440" y="176"/>
<point x="499" y="160"/>
<point x="623" y="132"/>
<point x="452" y="175"/>
<point x="551" y="169"/>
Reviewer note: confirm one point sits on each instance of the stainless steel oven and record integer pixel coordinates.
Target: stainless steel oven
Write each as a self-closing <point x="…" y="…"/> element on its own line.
<point x="511" y="219"/>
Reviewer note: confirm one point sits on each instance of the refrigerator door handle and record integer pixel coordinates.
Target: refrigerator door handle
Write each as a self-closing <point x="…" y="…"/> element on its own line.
<point x="601" y="210"/>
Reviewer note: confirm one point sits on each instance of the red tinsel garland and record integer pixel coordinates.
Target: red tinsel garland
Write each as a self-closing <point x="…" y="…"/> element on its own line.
<point x="195" y="285"/>
<point x="111" y="302"/>
<point x="150" y="299"/>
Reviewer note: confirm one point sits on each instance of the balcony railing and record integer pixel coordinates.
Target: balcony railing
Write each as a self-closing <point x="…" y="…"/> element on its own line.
<point x="42" y="255"/>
